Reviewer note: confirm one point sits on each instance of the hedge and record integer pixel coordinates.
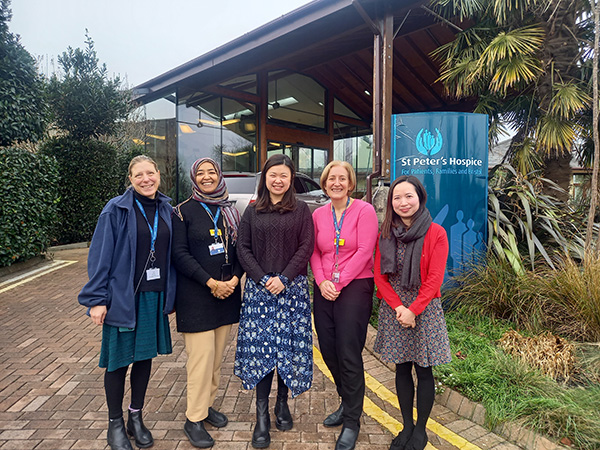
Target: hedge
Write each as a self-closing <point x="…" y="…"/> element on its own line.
<point x="88" y="179"/>
<point x="28" y="210"/>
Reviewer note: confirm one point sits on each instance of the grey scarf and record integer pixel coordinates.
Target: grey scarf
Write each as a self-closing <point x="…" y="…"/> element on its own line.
<point x="413" y="238"/>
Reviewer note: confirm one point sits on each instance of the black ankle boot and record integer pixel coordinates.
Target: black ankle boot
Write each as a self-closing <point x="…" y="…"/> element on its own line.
<point x="336" y="418"/>
<point x="283" y="417"/>
<point x="261" y="437"/>
<point x="137" y="429"/>
<point x="117" y="437"/>
<point x="347" y="439"/>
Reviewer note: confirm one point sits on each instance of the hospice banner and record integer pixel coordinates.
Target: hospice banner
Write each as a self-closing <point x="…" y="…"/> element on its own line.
<point x="448" y="153"/>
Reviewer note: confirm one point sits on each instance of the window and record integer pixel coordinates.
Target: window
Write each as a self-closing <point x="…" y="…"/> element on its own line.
<point x="295" y="100"/>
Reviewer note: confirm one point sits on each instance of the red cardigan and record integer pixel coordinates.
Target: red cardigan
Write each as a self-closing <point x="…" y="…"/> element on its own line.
<point x="433" y="266"/>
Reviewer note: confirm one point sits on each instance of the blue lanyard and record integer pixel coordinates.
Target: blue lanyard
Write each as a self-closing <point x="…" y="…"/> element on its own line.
<point x="338" y="228"/>
<point x="153" y="232"/>
<point x="215" y="219"/>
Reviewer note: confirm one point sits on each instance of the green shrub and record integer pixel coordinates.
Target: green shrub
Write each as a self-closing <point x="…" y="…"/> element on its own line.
<point x="565" y="300"/>
<point x="29" y="192"/>
<point x="22" y="104"/>
<point x="88" y="179"/>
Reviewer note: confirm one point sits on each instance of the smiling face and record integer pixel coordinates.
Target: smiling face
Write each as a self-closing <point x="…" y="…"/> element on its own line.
<point x="405" y="201"/>
<point x="207" y="177"/>
<point x="337" y="184"/>
<point x="278" y="180"/>
<point x="145" y="178"/>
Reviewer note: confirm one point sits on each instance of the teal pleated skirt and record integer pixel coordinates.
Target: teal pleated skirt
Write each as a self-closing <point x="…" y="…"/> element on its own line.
<point x="151" y="336"/>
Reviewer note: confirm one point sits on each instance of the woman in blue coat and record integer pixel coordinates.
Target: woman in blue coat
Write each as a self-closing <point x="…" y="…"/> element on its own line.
<point x="130" y="292"/>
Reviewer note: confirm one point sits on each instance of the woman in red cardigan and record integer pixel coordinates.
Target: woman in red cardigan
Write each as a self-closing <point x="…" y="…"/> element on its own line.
<point x="410" y="261"/>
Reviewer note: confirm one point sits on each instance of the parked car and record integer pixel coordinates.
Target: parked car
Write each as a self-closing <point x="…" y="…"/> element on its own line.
<point x="242" y="187"/>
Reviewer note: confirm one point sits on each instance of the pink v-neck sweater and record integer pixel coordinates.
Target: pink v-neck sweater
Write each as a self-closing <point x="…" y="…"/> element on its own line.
<point x="359" y="231"/>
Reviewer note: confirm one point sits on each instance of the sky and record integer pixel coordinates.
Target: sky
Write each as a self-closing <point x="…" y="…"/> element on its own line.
<point x="138" y="39"/>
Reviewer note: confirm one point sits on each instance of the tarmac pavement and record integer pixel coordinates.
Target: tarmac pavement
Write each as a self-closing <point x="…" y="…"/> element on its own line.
<point x="52" y="396"/>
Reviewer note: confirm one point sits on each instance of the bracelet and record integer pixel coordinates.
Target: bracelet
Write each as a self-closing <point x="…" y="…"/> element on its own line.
<point x="216" y="285"/>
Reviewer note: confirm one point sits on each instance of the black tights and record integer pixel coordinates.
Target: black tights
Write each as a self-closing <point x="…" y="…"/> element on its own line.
<point x="405" y="389"/>
<point x="114" y="387"/>
<point x="263" y="388"/>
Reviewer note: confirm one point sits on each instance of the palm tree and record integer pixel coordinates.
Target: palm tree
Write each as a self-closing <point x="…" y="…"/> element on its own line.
<point x="523" y="60"/>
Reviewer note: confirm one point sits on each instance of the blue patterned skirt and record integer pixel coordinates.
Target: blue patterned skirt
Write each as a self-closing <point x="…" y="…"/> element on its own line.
<point x="150" y="337"/>
<point x="275" y="331"/>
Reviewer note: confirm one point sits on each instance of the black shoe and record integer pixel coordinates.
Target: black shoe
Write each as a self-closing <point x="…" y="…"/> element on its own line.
<point x="417" y="441"/>
<point x="216" y="418"/>
<point x="137" y="429"/>
<point x="261" y="437"/>
<point x="117" y="436"/>
<point x="347" y="439"/>
<point x="197" y="434"/>
<point x="283" y="417"/>
<point x="400" y="441"/>
<point x="335" y="419"/>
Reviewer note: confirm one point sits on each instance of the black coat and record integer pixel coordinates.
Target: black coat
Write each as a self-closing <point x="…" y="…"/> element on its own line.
<point x="197" y="309"/>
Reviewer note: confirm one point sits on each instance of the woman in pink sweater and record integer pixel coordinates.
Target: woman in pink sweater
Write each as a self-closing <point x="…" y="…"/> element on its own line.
<point x="342" y="263"/>
<point x="409" y="270"/>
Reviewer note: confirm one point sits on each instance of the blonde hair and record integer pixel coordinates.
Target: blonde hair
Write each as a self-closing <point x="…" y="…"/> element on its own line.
<point x="139" y="159"/>
<point x="345" y="165"/>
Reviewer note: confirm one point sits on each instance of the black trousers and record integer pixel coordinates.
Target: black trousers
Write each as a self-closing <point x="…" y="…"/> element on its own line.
<point x="341" y="328"/>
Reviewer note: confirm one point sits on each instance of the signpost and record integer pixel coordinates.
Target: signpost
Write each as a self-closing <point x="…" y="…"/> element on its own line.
<point x="448" y="153"/>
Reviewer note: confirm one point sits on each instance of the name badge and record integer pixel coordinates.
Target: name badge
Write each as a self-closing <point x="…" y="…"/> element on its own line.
<point x="153" y="274"/>
<point x="342" y="242"/>
<point x="212" y="232"/>
<point x="335" y="277"/>
<point x="216" y="249"/>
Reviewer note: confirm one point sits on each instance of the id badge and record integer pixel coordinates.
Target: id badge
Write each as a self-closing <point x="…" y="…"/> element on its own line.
<point x="153" y="274"/>
<point x="216" y="249"/>
<point x="335" y="277"/>
<point x="341" y="242"/>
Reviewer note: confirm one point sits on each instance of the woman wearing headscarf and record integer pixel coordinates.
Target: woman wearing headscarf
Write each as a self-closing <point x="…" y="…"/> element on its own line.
<point x="208" y="296"/>
<point x="410" y="261"/>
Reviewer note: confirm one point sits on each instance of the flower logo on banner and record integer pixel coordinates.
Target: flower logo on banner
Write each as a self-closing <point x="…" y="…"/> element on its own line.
<point x="428" y="144"/>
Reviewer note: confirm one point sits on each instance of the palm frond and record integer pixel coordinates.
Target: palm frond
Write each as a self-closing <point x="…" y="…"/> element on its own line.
<point x="556" y="135"/>
<point x="517" y="42"/>
<point x="567" y="100"/>
<point x="514" y="71"/>
<point x="505" y="10"/>
<point x="461" y="79"/>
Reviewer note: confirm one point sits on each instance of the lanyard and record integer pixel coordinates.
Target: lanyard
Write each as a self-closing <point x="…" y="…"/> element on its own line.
<point x="214" y="218"/>
<point x="338" y="229"/>
<point x="153" y="231"/>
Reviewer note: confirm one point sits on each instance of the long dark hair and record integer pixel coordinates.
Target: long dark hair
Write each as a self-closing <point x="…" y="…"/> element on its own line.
<point x="393" y="220"/>
<point x="263" y="200"/>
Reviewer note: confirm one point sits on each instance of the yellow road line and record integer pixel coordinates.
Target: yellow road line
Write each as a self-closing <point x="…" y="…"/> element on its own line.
<point x="22" y="280"/>
<point x="448" y="435"/>
<point x="391" y="424"/>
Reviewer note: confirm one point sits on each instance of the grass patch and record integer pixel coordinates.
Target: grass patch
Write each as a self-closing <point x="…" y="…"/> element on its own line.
<point x="511" y="391"/>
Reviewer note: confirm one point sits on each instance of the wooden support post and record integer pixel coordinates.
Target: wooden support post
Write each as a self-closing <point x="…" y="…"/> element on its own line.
<point x="377" y="80"/>
<point x="261" y="141"/>
<point x="386" y="87"/>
